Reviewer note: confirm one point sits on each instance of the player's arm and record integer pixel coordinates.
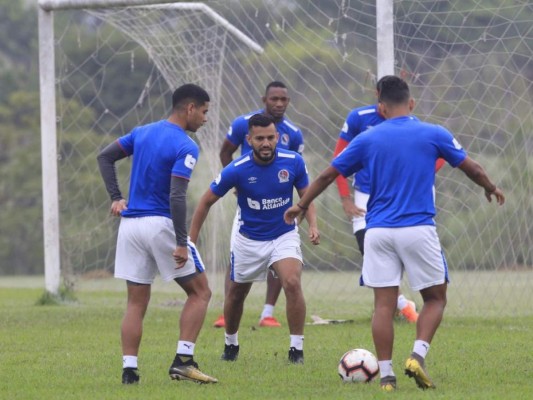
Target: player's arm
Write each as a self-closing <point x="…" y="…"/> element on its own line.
<point x="342" y="182"/>
<point x="439" y="164"/>
<point x="310" y="216"/>
<point x="178" y="212"/>
<point x="226" y="152"/>
<point x="477" y="174"/>
<point x="106" y="163"/>
<point x="200" y="214"/>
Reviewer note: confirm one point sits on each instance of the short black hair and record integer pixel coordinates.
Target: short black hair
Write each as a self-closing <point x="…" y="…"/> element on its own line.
<point x="392" y="89"/>
<point x="259" y="120"/>
<point x="275" y="84"/>
<point x="189" y="93"/>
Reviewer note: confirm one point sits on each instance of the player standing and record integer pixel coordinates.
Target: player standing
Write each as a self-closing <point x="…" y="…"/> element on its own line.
<point x="264" y="179"/>
<point x="359" y="120"/>
<point x="401" y="233"/>
<point x="152" y="234"/>
<point x="275" y="100"/>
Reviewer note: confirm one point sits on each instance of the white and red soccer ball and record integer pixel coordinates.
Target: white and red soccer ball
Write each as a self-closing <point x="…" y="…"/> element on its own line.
<point x="358" y="365"/>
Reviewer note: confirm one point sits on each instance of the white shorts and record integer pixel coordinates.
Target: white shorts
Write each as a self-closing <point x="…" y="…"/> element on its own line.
<point x="251" y="259"/>
<point x="145" y="245"/>
<point x="360" y="199"/>
<point x="416" y="249"/>
<point x="237" y="222"/>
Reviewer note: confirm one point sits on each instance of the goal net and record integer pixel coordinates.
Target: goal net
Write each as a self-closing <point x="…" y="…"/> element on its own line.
<point x="470" y="69"/>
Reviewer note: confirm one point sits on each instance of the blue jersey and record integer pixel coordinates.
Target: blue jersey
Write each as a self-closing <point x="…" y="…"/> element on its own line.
<point x="264" y="192"/>
<point x="290" y="137"/>
<point x="400" y="155"/>
<point x="160" y="150"/>
<point x="359" y="120"/>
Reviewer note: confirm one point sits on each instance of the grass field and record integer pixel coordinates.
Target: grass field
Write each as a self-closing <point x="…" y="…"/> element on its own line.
<point x="73" y="351"/>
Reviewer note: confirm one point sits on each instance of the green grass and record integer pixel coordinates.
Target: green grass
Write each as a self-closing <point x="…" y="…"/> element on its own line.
<point x="73" y="352"/>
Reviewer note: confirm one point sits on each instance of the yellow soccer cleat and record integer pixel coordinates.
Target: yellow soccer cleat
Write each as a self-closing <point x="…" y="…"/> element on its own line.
<point x="414" y="368"/>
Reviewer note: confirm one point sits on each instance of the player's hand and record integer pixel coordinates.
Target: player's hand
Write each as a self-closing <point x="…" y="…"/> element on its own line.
<point x="350" y="209"/>
<point x="293" y="213"/>
<point x="498" y="194"/>
<point x="117" y="207"/>
<point x="314" y="235"/>
<point x="181" y="255"/>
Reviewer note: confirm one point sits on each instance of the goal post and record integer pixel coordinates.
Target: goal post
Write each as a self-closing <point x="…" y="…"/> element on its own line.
<point x="48" y="82"/>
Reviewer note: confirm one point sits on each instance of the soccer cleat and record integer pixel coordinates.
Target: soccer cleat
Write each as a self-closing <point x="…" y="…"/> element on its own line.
<point x="130" y="375"/>
<point x="414" y="368"/>
<point x="269" y="322"/>
<point x="409" y="312"/>
<point x="185" y="369"/>
<point x="388" y="383"/>
<point x="296" y="356"/>
<point x="231" y="352"/>
<point x="220" y="322"/>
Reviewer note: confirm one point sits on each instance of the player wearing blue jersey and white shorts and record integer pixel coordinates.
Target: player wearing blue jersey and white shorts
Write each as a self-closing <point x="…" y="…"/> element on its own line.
<point x="276" y="100"/>
<point x="264" y="179"/>
<point x="400" y="155"/>
<point x="152" y="235"/>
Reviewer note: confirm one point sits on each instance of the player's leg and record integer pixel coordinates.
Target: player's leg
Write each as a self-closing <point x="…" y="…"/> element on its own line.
<point x="272" y="293"/>
<point x="286" y="261"/>
<point x="233" y="310"/>
<point x="427" y="272"/>
<point x="382" y="271"/>
<point x="192" y="279"/>
<point x="220" y="321"/>
<point x="134" y="264"/>
<point x="131" y="329"/>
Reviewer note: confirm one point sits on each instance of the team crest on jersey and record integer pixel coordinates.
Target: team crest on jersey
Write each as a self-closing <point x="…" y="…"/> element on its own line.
<point x="285" y="139"/>
<point x="283" y="176"/>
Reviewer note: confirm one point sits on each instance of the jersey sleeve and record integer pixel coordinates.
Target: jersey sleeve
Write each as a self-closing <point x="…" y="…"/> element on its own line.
<point x="449" y="147"/>
<point x="185" y="161"/>
<point x="302" y="177"/>
<point x="237" y="131"/>
<point x="297" y="144"/>
<point x="126" y="142"/>
<point x="351" y="127"/>
<point x="349" y="161"/>
<point x="225" y="180"/>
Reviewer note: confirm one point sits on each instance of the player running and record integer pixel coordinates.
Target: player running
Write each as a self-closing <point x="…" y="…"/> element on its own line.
<point x="264" y="179"/>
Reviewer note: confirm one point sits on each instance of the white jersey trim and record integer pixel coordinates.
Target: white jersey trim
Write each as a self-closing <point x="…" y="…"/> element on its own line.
<point x="294" y="128"/>
<point x="285" y="155"/>
<point x="245" y="159"/>
<point x="364" y="112"/>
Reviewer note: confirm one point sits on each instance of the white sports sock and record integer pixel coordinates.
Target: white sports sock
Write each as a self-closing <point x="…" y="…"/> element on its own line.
<point x="421" y="348"/>
<point x="185" y="348"/>
<point x="402" y="302"/>
<point x="385" y="368"/>
<point x="268" y="311"/>
<point x="129" y="361"/>
<point x="232" y="339"/>
<point x="297" y="341"/>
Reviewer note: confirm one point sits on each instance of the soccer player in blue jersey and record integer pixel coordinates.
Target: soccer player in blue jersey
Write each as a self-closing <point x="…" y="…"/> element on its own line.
<point x="264" y="179"/>
<point x="400" y="155"/>
<point x="359" y="120"/>
<point x="276" y="100"/>
<point x="152" y="234"/>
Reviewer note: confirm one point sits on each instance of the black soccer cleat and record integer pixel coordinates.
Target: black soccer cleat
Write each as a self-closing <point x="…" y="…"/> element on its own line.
<point x="130" y="376"/>
<point x="231" y="352"/>
<point x="296" y="356"/>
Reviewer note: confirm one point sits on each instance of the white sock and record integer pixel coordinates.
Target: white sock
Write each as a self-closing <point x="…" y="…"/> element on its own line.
<point x="402" y="302"/>
<point x="185" y="348"/>
<point x="297" y="341"/>
<point x="421" y="348"/>
<point x="385" y="368"/>
<point x="129" y="361"/>
<point x="232" y="339"/>
<point x="268" y="311"/>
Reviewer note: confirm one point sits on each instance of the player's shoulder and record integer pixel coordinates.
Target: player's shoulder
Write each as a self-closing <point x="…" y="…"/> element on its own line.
<point x="243" y="119"/>
<point x="371" y="109"/>
<point x="285" y="154"/>
<point x="288" y="124"/>
<point x="241" y="161"/>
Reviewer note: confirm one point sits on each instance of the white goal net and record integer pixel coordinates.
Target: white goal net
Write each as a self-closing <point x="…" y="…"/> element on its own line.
<point x="470" y="68"/>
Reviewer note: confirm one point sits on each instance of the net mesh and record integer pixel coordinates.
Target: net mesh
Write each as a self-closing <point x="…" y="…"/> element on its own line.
<point x="470" y="69"/>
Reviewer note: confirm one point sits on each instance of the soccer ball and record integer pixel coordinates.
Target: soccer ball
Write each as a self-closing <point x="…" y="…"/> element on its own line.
<point x="358" y="365"/>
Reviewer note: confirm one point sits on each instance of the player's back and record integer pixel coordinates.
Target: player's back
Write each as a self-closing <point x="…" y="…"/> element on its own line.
<point x="155" y="148"/>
